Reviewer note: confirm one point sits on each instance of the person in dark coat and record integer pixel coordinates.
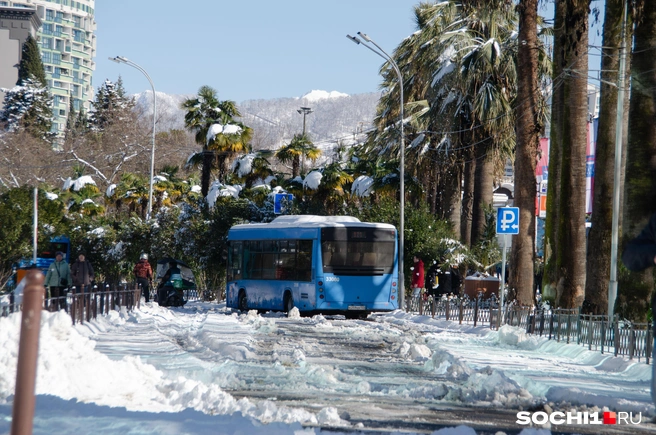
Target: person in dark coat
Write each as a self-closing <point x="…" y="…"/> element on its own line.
<point x="82" y="274"/>
<point x="640" y="254"/>
<point x="456" y="279"/>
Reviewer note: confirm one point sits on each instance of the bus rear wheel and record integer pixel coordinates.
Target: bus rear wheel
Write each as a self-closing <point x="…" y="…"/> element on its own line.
<point x="242" y="302"/>
<point x="289" y="302"/>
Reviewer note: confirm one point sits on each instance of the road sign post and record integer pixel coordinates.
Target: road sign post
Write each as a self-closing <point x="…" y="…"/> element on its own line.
<point x="507" y="224"/>
<point x="282" y="202"/>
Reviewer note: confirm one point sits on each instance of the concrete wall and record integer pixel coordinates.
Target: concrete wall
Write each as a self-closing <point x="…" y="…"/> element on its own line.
<point x="15" y="26"/>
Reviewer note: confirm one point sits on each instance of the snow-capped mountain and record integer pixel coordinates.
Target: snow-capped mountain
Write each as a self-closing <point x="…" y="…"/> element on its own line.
<point x="336" y="118"/>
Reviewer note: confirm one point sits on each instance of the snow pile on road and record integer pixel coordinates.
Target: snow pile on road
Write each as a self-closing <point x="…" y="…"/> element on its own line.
<point x="69" y="367"/>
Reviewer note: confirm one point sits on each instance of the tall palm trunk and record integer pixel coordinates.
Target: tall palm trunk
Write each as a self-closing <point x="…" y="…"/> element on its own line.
<point x="208" y="158"/>
<point x="528" y="129"/>
<point x="469" y="176"/>
<point x="451" y="200"/>
<point x="571" y="231"/>
<point x="640" y="185"/>
<point x="296" y="166"/>
<point x="599" y="238"/>
<point x="483" y="190"/>
<point x="552" y="261"/>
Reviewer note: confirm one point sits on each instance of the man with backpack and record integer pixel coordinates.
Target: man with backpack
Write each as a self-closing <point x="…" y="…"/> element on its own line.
<point x="143" y="274"/>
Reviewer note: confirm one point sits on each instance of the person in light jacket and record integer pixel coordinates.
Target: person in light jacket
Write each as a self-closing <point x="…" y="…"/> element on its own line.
<point x="82" y="273"/>
<point x="58" y="278"/>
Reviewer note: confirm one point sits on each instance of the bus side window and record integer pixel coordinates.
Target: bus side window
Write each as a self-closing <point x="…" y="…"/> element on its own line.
<point x="304" y="260"/>
<point x="235" y="261"/>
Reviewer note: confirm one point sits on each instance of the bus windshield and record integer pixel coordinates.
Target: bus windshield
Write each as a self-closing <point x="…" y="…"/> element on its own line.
<point x="357" y="251"/>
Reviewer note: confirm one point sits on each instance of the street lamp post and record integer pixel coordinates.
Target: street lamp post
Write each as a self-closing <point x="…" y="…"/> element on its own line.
<point x="380" y="52"/>
<point x="304" y="111"/>
<point x="121" y="59"/>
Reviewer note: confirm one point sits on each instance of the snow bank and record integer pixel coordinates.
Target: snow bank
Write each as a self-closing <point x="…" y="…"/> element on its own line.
<point x="69" y="367"/>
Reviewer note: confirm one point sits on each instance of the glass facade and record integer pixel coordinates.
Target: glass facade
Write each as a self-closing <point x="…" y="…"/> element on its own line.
<point x="68" y="47"/>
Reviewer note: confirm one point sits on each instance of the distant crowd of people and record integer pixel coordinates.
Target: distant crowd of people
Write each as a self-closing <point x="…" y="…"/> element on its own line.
<point x="443" y="278"/>
<point x="79" y="277"/>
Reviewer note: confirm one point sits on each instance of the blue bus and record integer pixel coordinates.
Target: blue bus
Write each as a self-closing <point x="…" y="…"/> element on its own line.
<point x="319" y="264"/>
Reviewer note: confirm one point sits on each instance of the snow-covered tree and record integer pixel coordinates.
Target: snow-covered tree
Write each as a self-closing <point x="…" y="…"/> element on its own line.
<point x="111" y="105"/>
<point x="28" y="106"/>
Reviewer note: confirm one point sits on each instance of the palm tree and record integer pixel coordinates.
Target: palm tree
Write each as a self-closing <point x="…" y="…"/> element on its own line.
<point x="331" y="191"/>
<point x="300" y="147"/>
<point x="260" y="168"/>
<point x="215" y="129"/>
<point x="132" y="191"/>
<point x="599" y="237"/>
<point x="566" y="270"/>
<point x="529" y="126"/>
<point x="640" y="184"/>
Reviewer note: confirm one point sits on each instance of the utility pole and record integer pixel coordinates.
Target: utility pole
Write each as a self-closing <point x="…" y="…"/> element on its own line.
<point x="612" y="284"/>
<point x="304" y="111"/>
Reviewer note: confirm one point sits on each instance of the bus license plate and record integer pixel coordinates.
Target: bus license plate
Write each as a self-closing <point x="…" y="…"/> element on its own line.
<point x="357" y="307"/>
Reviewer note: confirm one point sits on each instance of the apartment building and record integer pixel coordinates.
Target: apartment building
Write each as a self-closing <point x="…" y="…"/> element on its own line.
<point x="67" y="42"/>
<point x="15" y="26"/>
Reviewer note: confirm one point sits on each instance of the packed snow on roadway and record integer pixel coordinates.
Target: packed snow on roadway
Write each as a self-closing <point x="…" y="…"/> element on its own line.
<point x="205" y="367"/>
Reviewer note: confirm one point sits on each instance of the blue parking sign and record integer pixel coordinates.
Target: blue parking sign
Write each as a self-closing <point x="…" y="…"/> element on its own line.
<point x="508" y="220"/>
<point x="282" y="202"/>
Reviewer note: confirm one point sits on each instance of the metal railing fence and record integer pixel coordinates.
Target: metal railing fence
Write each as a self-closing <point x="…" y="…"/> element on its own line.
<point x="598" y="333"/>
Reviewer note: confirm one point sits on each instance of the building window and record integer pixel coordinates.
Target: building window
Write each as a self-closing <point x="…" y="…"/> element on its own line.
<point x="56" y="58"/>
<point x="46" y="57"/>
<point x="50" y="15"/>
<point x="62" y="112"/>
<point x="55" y="99"/>
<point x="46" y="43"/>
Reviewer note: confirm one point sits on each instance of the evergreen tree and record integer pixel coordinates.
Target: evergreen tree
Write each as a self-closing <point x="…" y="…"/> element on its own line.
<point x="30" y="107"/>
<point x="70" y="120"/>
<point x="111" y="105"/>
<point x="30" y="64"/>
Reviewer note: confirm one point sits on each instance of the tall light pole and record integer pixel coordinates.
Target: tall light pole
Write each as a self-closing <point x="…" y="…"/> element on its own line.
<point x="304" y="111"/>
<point x="612" y="284"/>
<point x="380" y="52"/>
<point x="121" y="59"/>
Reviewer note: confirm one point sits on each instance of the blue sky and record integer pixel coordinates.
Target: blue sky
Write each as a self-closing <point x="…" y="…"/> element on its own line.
<point x="258" y="49"/>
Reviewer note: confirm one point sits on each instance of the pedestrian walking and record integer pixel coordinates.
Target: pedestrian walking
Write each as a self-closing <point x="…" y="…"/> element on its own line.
<point x="456" y="279"/>
<point x="57" y="280"/>
<point x="82" y="274"/>
<point x="417" y="282"/>
<point x="143" y="274"/>
<point x="640" y="254"/>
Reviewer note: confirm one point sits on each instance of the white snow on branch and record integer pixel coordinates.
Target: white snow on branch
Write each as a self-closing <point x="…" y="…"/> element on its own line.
<point x="312" y="180"/>
<point x="216" y="129"/>
<point x="78" y="184"/>
<point x="362" y="186"/>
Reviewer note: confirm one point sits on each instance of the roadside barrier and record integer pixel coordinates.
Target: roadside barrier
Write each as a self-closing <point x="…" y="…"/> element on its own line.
<point x="598" y="333"/>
